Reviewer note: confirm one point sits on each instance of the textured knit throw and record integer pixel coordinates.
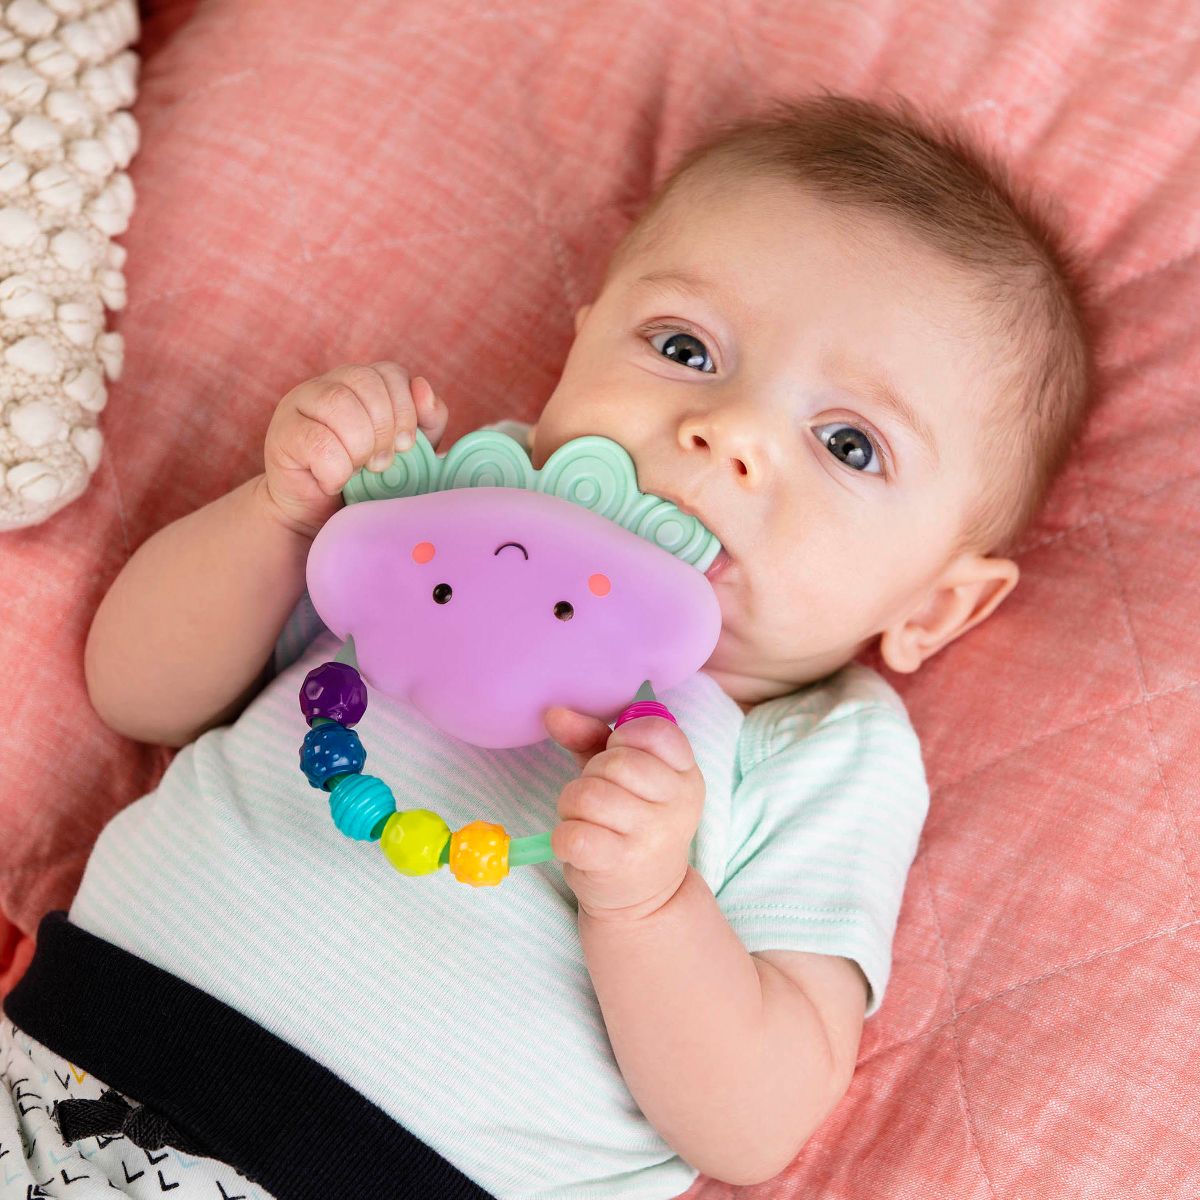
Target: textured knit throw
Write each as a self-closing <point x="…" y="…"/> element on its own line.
<point x="67" y="76"/>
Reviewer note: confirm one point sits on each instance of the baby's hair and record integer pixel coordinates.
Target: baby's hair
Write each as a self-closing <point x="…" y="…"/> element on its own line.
<point x="957" y="198"/>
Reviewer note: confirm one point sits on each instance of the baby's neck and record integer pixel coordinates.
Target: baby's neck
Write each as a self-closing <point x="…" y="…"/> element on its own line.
<point x="734" y="687"/>
<point x="749" y="691"/>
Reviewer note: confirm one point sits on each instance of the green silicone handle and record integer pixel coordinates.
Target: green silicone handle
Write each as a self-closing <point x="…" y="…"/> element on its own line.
<point x="526" y="850"/>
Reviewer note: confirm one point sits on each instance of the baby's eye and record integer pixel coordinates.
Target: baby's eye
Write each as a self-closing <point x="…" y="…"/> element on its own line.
<point x="684" y="348"/>
<point x="850" y="445"/>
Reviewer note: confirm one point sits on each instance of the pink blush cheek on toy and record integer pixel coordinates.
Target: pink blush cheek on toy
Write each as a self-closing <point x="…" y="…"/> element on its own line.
<point x="482" y="607"/>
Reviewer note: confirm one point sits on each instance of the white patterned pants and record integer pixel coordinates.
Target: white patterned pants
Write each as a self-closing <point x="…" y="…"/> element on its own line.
<point x="35" y="1162"/>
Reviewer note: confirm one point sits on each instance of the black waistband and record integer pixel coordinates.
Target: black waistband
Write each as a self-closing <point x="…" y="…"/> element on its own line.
<point x="246" y="1096"/>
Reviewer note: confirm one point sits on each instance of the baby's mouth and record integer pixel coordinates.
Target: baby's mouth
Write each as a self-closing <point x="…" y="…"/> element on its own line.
<point x="717" y="565"/>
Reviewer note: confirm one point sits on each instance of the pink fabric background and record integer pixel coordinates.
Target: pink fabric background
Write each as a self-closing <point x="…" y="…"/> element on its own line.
<point x="440" y="183"/>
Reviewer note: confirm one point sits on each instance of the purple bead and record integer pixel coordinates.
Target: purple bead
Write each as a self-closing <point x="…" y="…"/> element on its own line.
<point x="334" y="690"/>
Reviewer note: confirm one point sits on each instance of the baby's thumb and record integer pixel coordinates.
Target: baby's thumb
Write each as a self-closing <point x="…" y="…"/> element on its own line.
<point x="584" y="736"/>
<point x="432" y="414"/>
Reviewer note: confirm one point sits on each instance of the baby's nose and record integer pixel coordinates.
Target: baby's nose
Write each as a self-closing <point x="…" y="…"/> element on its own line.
<point x="739" y="463"/>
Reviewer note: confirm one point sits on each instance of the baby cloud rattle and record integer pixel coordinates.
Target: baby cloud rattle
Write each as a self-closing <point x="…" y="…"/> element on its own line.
<point x="483" y="592"/>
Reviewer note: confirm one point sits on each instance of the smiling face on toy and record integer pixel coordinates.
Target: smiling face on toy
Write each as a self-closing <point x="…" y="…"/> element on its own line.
<point x="482" y="607"/>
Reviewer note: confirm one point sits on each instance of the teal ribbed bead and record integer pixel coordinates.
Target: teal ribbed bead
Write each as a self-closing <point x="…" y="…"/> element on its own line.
<point x="360" y="806"/>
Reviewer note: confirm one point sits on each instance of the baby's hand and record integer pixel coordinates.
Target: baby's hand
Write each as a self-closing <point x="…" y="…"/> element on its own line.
<point x="629" y="819"/>
<point x="326" y="429"/>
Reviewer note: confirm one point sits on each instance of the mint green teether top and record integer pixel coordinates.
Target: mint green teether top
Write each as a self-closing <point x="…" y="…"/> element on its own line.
<point x="591" y="471"/>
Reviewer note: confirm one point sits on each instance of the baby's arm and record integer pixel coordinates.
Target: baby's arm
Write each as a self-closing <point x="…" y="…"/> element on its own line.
<point x="181" y="640"/>
<point x="735" y="1058"/>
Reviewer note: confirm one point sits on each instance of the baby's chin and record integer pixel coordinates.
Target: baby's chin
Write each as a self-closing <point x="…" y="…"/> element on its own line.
<point x="747" y="671"/>
<point x="744" y="679"/>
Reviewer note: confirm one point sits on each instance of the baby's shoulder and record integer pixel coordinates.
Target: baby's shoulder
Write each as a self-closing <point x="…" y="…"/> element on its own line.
<point x="847" y="704"/>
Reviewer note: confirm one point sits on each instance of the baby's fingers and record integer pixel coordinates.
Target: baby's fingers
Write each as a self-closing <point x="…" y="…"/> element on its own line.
<point x="367" y="433"/>
<point x="382" y="389"/>
<point x="403" y="413"/>
<point x="602" y="803"/>
<point x="328" y="434"/>
<point x="582" y="735"/>
<point x="585" y="846"/>
<point x="413" y="406"/>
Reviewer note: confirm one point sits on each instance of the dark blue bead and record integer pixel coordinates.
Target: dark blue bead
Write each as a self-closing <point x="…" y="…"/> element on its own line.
<point x="330" y="750"/>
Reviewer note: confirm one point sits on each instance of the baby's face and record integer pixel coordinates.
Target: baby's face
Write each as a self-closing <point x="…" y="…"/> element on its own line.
<point x="752" y="393"/>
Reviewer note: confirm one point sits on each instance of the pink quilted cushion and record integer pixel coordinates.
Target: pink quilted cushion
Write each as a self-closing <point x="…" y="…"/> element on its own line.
<point x="439" y="183"/>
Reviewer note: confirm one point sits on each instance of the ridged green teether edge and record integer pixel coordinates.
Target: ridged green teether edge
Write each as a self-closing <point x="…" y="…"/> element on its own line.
<point x="495" y="459"/>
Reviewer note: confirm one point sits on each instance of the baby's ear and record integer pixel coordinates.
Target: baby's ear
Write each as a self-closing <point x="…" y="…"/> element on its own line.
<point x="966" y="592"/>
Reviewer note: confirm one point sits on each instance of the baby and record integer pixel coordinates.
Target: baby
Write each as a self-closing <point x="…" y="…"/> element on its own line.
<point x="839" y="339"/>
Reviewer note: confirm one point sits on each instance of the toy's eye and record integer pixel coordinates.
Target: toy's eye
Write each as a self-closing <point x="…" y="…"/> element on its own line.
<point x="442" y="593"/>
<point x="564" y="611"/>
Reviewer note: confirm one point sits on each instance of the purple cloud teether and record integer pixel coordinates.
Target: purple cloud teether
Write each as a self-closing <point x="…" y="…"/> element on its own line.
<point x="483" y="606"/>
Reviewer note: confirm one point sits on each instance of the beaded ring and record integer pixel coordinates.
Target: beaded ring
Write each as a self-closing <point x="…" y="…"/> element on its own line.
<point x="416" y="841"/>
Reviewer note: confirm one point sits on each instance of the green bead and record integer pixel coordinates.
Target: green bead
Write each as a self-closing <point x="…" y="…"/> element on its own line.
<point x="413" y="841"/>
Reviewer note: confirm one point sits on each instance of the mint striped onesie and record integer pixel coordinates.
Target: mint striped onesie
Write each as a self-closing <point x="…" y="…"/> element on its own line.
<point x="468" y="1015"/>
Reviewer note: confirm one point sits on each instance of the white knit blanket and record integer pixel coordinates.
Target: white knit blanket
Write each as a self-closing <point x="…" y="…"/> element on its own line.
<point x="67" y="77"/>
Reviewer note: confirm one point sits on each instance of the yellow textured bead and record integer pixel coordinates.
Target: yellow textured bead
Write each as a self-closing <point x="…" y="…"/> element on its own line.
<point x="413" y="841"/>
<point x="479" y="854"/>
